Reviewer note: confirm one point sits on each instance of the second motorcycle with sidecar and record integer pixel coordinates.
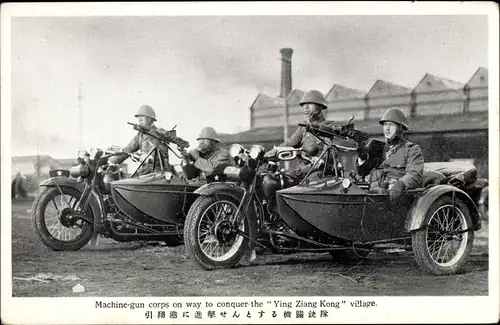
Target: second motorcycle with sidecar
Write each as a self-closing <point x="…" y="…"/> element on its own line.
<point x="334" y="213"/>
<point x="95" y="198"/>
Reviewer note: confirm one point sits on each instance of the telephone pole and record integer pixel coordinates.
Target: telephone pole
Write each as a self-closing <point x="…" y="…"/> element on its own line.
<point x="38" y="162"/>
<point x="80" y="118"/>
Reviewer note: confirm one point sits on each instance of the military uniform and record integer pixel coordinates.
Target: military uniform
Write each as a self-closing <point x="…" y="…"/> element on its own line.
<point x="212" y="162"/>
<point x="145" y="143"/>
<point x="311" y="145"/>
<point x="401" y="160"/>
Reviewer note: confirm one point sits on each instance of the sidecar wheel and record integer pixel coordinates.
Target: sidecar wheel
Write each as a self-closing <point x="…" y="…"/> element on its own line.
<point x="436" y="250"/>
<point x="65" y="232"/>
<point x="208" y="239"/>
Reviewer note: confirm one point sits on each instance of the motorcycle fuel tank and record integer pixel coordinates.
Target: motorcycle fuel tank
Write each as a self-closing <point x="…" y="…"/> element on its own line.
<point x="153" y="196"/>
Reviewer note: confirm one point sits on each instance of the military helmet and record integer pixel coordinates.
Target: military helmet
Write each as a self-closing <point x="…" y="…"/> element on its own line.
<point x="208" y="133"/>
<point x="395" y="115"/>
<point x="146" y="110"/>
<point x="314" y="96"/>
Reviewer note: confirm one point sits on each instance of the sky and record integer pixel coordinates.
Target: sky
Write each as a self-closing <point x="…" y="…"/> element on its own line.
<point x="198" y="71"/>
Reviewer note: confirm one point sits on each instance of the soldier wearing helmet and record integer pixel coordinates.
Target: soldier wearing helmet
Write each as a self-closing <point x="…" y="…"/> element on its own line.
<point x="401" y="165"/>
<point x="146" y="116"/>
<point x="313" y="102"/>
<point x="206" y="157"/>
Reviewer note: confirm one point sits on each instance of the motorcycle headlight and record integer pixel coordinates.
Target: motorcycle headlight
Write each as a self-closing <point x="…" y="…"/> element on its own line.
<point x="168" y="175"/>
<point x="346" y="183"/>
<point x="79" y="171"/>
<point x="256" y="152"/>
<point x="235" y="150"/>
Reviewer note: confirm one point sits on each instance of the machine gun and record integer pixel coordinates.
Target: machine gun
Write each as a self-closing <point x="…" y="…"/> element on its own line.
<point x="168" y="136"/>
<point x="346" y="131"/>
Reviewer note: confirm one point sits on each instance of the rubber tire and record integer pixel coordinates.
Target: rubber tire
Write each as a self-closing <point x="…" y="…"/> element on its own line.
<point x="40" y="228"/>
<point x="191" y="235"/>
<point x="419" y="244"/>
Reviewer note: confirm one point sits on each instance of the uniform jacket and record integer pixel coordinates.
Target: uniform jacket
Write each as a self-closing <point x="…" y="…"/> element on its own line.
<point x="145" y="143"/>
<point x="211" y="163"/>
<point x="309" y="143"/>
<point x="401" y="160"/>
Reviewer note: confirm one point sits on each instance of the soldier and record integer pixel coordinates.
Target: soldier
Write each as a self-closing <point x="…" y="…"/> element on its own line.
<point x="19" y="186"/>
<point x="313" y="103"/>
<point x="206" y="158"/>
<point x="401" y="164"/>
<point x="146" y="117"/>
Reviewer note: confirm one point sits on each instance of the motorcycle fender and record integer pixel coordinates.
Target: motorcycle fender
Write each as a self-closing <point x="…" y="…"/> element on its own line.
<point x="94" y="200"/>
<point x="237" y="193"/>
<point x="212" y="189"/>
<point x="62" y="181"/>
<point x="416" y="215"/>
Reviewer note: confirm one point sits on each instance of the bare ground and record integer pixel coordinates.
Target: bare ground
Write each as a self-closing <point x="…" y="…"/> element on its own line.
<point x="137" y="269"/>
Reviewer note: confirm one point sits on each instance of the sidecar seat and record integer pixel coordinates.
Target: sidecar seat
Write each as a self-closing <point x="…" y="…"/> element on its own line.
<point x="463" y="171"/>
<point x="433" y="177"/>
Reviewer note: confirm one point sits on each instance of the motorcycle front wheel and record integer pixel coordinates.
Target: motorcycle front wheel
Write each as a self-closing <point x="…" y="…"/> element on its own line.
<point x="55" y="221"/>
<point x="209" y="236"/>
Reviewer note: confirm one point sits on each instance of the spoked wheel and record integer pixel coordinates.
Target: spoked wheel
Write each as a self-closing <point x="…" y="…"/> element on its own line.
<point x="57" y="224"/>
<point x="443" y="245"/>
<point x="211" y="235"/>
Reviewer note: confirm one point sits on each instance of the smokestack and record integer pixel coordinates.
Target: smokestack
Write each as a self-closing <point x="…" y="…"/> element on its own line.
<point x="286" y="72"/>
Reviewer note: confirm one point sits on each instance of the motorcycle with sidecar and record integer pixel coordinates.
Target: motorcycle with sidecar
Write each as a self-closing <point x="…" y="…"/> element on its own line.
<point x="95" y="198"/>
<point x="333" y="213"/>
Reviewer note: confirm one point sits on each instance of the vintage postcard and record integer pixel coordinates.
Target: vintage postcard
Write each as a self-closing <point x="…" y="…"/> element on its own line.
<point x="249" y="162"/>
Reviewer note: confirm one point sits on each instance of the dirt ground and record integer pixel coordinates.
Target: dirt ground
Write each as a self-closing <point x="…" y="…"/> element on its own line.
<point x="116" y="269"/>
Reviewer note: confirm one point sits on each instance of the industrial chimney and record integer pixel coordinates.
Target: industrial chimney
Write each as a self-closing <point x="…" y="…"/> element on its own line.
<point x="286" y="72"/>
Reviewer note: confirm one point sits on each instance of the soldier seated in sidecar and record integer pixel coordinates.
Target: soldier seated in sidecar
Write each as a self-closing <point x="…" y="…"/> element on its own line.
<point x="206" y="158"/>
<point x="400" y="164"/>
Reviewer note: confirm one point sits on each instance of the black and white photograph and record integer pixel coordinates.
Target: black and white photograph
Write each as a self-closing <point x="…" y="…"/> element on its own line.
<point x="249" y="163"/>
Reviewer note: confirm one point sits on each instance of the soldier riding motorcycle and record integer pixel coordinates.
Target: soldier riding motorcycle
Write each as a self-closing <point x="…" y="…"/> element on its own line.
<point x="96" y="198"/>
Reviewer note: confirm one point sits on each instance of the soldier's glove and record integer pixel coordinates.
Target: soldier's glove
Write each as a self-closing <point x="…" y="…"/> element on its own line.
<point x="396" y="190"/>
<point x="195" y="154"/>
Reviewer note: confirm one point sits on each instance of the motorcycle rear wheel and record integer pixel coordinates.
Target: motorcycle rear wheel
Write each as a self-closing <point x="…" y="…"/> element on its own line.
<point x="48" y="237"/>
<point x="203" y="241"/>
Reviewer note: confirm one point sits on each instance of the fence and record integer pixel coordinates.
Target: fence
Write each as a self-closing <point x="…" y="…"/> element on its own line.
<point x="415" y="103"/>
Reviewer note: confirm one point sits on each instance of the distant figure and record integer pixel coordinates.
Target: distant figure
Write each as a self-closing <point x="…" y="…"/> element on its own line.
<point x="19" y="186"/>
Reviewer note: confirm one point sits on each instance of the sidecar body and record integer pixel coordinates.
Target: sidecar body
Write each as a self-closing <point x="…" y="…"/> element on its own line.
<point x="155" y="198"/>
<point x="345" y="213"/>
<point x="351" y="213"/>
